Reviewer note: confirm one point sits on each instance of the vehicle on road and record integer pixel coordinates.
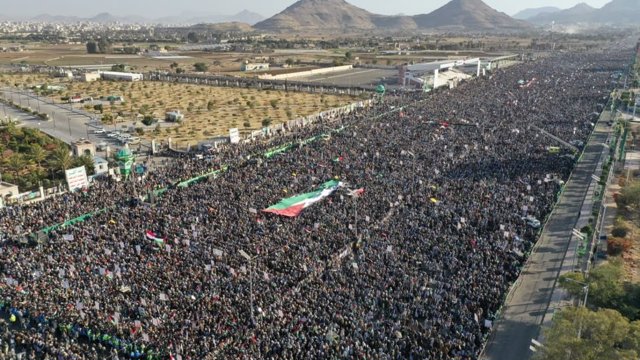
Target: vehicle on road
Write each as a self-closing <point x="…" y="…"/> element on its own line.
<point x="113" y="134"/>
<point x="99" y="131"/>
<point x="532" y="221"/>
<point x="576" y="143"/>
<point x="132" y="140"/>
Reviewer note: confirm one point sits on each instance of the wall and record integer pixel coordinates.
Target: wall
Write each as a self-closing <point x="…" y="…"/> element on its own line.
<point x="307" y="73"/>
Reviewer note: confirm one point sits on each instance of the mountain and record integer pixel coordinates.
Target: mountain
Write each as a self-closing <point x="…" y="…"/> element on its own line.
<point x="322" y="16"/>
<point x="55" y="18"/>
<point x="187" y="18"/>
<point x="469" y="15"/>
<point x="577" y="14"/>
<point x="319" y="15"/>
<point x="619" y="12"/>
<point x="224" y="27"/>
<point x="245" y="16"/>
<point x="106" y="18"/>
<point x="529" y="13"/>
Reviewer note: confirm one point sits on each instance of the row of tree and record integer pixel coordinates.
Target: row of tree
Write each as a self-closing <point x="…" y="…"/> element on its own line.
<point x="31" y="158"/>
<point x="101" y="46"/>
<point x="607" y="326"/>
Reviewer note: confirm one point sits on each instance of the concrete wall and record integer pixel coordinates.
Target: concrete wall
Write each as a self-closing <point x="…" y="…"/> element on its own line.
<point x="328" y="70"/>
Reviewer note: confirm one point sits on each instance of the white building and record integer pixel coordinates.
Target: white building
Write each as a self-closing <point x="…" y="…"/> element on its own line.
<point x="101" y="165"/>
<point x="174" y="116"/>
<point x="122" y="76"/>
<point x="90" y="77"/>
<point x="7" y="191"/>
<point x="246" y="66"/>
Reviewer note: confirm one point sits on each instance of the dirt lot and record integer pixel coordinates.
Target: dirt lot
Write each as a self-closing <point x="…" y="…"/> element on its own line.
<point x="208" y="110"/>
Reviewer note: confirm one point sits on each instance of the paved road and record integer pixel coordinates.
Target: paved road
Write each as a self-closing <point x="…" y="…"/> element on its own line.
<point x="64" y="123"/>
<point x="526" y="306"/>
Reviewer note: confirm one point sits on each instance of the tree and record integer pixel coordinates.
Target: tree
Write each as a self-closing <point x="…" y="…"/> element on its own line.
<point x="148" y="120"/>
<point x="289" y="61"/>
<point x="192" y="37"/>
<point x="92" y="47"/>
<point x="582" y="334"/>
<point x="607" y="288"/>
<point x="274" y="103"/>
<point x="606" y="284"/>
<point x="174" y="65"/>
<point x="266" y="122"/>
<point x="104" y="46"/>
<point x="107" y="118"/>
<point x="16" y="163"/>
<point x="87" y="162"/>
<point x="98" y="107"/>
<point x="38" y="154"/>
<point x="630" y="195"/>
<point x="179" y="70"/>
<point x="210" y="105"/>
<point x="61" y="159"/>
<point x="118" y="67"/>
<point x="200" y="67"/>
<point x="348" y="56"/>
<point x="157" y="130"/>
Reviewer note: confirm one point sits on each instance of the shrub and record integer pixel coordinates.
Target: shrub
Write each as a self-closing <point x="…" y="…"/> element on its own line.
<point x="148" y="120"/>
<point x="588" y="229"/>
<point x="618" y="246"/>
<point x="619" y="231"/>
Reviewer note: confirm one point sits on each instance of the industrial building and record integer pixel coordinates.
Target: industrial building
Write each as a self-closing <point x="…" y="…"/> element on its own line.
<point x="110" y="75"/>
<point x="437" y="74"/>
<point x="121" y="76"/>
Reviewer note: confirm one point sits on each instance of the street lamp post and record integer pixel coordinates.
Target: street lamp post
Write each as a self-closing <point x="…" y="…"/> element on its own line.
<point x="585" y="289"/>
<point x="250" y="261"/>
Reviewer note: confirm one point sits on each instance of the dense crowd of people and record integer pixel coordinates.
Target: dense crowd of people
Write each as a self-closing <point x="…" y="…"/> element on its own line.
<point x="414" y="268"/>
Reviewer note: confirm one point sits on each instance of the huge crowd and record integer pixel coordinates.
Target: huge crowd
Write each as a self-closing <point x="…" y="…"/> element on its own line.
<point x="416" y="267"/>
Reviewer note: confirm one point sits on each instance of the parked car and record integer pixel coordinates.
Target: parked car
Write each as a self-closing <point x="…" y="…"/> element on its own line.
<point x="99" y="131"/>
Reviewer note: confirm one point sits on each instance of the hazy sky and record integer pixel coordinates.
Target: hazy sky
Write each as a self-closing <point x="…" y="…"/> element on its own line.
<point x="158" y="8"/>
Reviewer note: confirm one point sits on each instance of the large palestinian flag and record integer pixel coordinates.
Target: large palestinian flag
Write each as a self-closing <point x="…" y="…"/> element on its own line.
<point x="293" y="206"/>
